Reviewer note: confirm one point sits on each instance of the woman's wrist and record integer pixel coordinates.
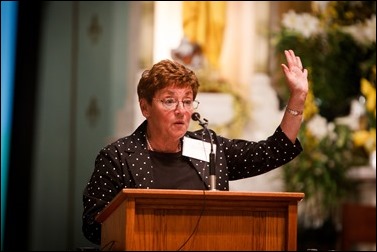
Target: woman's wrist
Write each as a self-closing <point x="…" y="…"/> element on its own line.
<point x="293" y="112"/>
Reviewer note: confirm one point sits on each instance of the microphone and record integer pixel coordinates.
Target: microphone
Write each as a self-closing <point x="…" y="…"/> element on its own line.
<point x="196" y="117"/>
<point x="212" y="165"/>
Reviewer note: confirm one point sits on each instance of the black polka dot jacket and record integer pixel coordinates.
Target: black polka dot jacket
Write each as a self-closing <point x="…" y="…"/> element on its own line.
<point x="126" y="163"/>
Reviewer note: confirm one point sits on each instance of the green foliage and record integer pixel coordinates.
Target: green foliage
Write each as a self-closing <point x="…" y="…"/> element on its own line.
<point x="321" y="170"/>
<point x="342" y="13"/>
<point x="336" y="62"/>
<point x="334" y="65"/>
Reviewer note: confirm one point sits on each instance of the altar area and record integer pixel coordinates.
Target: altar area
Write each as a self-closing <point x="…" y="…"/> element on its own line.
<point x="251" y="109"/>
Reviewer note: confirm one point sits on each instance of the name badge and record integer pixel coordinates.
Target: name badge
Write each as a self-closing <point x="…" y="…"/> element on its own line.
<point x="197" y="149"/>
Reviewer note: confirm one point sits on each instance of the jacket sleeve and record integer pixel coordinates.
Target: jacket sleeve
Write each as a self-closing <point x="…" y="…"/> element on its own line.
<point x="105" y="183"/>
<point x="248" y="158"/>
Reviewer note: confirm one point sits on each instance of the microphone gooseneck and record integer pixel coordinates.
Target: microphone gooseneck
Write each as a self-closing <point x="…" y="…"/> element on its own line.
<point x="212" y="160"/>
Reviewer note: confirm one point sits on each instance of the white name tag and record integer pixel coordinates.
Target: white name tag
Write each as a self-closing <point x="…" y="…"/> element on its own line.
<point x="197" y="149"/>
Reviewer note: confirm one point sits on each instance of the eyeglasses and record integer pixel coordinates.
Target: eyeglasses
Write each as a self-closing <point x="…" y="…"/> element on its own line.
<point x="171" y="103"/>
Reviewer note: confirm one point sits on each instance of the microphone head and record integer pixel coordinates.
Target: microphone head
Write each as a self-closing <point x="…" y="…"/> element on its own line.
<point x="195" y="116"/>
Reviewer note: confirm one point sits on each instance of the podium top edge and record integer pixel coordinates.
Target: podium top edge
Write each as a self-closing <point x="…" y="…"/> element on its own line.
<point x="174" y="193"/>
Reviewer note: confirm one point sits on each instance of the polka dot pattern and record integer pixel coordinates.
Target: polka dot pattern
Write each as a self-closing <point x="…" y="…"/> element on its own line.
<point x="126" y="164"/>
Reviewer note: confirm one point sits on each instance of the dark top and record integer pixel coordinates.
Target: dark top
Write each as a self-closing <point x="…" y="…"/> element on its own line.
<point x="127" y="163"/>
<point x="173" y="171"/>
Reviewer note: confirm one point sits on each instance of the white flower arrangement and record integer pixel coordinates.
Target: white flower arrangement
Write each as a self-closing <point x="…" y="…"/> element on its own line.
<point x="308" y="25"/>
<point x="319" y="127"/>
<point x="305" y="24"/>
<point x="364" y="33"/>
<point x="338" y="44"/>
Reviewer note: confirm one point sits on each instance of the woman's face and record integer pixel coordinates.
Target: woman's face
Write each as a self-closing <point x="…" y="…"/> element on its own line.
<point x="169" y="122"/>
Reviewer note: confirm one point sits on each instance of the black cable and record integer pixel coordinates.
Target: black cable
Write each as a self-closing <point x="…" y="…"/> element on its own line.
<point x="204" y="191"/>
<point x="197" y="222"/>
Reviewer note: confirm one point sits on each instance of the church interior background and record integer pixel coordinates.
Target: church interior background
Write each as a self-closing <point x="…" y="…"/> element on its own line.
<point x="91" y="55"/>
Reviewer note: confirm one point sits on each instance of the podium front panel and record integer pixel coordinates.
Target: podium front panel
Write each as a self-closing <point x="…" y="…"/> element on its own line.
<point x="145" y="219"/>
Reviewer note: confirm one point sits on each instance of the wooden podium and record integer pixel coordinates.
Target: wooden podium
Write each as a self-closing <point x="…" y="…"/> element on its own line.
<point x="158" y="219"/>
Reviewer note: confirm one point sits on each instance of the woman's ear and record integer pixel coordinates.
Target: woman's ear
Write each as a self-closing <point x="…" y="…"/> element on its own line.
<point x="144" y="107"/>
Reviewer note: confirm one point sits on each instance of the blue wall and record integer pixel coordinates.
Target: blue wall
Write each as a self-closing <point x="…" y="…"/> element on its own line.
<point x="8" y="46"/>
